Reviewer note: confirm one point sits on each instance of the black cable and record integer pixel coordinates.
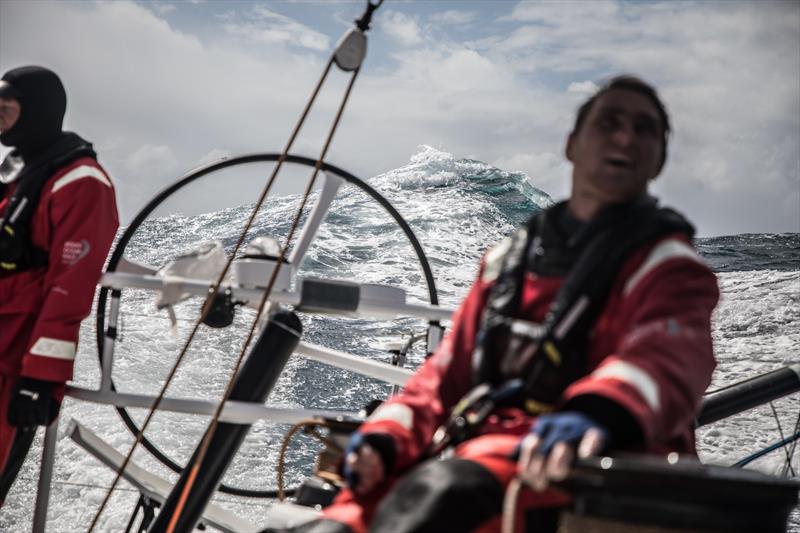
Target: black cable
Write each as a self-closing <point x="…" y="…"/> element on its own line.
<point x="790" y="454"/>
<point x="780" y="432"/>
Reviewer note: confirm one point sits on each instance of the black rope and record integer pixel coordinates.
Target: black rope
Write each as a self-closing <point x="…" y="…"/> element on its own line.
<point x="790" y="453"/>
<point x="783" y="437"/>
<point x="213" y="292"/>
<point x="266" y="493"/>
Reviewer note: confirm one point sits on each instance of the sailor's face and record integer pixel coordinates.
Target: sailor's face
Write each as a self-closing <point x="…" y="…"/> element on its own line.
<point x="617" y="150"/>
<point x="9" y="113"/>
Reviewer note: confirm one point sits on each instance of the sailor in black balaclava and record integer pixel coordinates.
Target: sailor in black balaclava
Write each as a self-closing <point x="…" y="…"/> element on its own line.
<point x="58" y="217"/>
<point x="42" y="101"/>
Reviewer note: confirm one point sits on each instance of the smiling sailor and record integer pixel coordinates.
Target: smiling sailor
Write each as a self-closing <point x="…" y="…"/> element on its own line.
<point x="587" y="331"/>
<point x="58" y="217"/>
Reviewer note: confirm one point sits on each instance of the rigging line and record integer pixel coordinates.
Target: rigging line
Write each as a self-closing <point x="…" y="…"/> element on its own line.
<point x="771" y="448"/>
<point x="206" y="442"/>
<point x="728" y="386"/>
<point x="289" y="492"/>
<point x="780" y="432"/>
<point x="788" y="466"/>
<point x="214" y="291"/>
<point x="739" y="383"/>
<point x="76" y="484"/>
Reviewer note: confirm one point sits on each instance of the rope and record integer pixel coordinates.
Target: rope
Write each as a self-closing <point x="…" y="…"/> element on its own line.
<point x="212" y="294"/>
<point x="206" y="442"/>
<point x="304" y="425"/>
<point x="783" y="437"/>
<point x="288" y="492"/>
<point x="790" y="454"/>
<point x="204" y="445"/>
<point x="510" y="502"/>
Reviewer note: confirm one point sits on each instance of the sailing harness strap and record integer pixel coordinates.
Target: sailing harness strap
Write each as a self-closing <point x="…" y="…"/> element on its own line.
<point x="523" y="364"/>
<point x="17" y="251"/>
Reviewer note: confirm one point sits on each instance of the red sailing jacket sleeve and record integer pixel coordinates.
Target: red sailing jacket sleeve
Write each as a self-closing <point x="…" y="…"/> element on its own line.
<point x="653" y="351"/>
<point x="413" y="416"/>
<point x="76" y="220"/>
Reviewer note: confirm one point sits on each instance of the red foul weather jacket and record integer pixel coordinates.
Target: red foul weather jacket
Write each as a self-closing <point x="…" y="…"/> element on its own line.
<point x="650" y="352"/>
<point x="41" y="308"/>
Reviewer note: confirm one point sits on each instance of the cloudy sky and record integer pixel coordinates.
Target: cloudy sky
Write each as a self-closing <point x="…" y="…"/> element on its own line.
<point x="161" y="87"/>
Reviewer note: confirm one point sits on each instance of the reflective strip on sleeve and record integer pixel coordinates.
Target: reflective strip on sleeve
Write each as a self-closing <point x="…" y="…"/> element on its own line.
<point x="83" y="171"/>
<point x="402" y="414"/>
<point x="634" y="376"/>
<point x="55" y="348"/>
<point x="669" y="249"/>
<point x="493" y="260"/>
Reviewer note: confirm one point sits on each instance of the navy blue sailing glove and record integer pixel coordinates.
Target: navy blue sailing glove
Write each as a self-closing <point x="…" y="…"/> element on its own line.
<point x="382" y="444"/>
<point x="540" y="461"/>
<point x="32" y="404"/>
<point x="567" y="426"/>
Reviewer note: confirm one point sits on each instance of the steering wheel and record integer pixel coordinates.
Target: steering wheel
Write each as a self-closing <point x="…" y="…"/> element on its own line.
<point x="108" y="324"/>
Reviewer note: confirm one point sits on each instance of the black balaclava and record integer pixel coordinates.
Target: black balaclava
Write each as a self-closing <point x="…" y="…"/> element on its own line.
<point x="43" y="103"/>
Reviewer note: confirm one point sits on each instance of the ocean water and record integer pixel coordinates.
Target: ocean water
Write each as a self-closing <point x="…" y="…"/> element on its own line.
<point x="457" y="208"/>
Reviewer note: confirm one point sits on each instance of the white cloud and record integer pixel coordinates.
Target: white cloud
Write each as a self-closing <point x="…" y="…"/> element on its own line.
<point x="564" y="13"/>
<point x="176" y="98"/>
<point x="453" y="17"/>
<point x="150" y="159"/>
<point x="163" y="8"/>
<point x="730" y="79"/>
<point x="582" y="87"/>
<point x="263" y="25"/>
<point x="402" y="28"/>
<point x="215" y="154"/>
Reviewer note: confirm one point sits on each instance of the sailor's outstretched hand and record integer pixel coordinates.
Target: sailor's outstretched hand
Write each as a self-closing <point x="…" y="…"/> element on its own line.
<point x="549" y="450"/>
<point x="367" y="459"/>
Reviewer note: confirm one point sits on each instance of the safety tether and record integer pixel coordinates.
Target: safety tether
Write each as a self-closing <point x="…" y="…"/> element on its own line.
<point x="348" y="55"/>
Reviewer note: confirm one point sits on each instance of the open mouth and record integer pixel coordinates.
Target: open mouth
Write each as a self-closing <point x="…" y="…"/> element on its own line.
<point x="619" y="161"/>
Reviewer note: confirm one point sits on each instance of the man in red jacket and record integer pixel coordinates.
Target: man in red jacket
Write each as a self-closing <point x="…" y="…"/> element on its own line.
<point x="58" y="218"/>
<point x="586" y="331"/>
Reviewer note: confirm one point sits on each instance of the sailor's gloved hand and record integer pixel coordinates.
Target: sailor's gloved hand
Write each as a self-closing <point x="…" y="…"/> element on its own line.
<point x="32" y="404"/>
<point x="549" y="450"/>
<point x="368" y="457"/>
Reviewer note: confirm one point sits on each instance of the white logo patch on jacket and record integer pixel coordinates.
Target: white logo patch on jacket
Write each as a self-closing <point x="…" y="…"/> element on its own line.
<point x="74" y="251"/>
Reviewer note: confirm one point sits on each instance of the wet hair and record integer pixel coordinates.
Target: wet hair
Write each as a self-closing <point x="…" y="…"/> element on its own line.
<point x="629" y="83"/>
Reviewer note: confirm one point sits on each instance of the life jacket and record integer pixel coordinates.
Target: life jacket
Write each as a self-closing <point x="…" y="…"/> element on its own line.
<point x="17" y="251"/>
<point x="545" y="358"/>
